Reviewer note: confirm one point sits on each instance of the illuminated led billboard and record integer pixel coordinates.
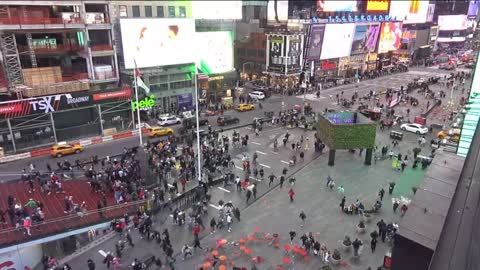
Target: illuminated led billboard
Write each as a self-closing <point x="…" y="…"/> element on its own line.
<point x="214" y="52"/>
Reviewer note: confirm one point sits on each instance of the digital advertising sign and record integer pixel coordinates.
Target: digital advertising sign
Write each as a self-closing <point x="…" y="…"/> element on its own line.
<point x="378" y="5"/>
<point x="337" y="40"/>
<point x="315" y="43"/>
<point x="276" y="45"/>
<point x="390" y="37"/>
<point x="452" y="22"/>
<point x="277" y="11"/>
<point x="473" y="8"/>
<point x="336" y="6"/>
<point x="157" y="42"/>
<point x="410" y="11"/>
<point x="365" y="38"/>
<point x="217" y="10"/>
<point x="294" y="53"/>
<point x="214" y="52"/>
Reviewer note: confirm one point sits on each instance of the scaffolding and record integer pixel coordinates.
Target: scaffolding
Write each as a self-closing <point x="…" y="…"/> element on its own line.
<point x="11" y="60"/>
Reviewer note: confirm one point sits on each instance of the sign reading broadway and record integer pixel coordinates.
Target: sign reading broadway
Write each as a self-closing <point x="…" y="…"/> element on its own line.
<point x="54" y="103"/>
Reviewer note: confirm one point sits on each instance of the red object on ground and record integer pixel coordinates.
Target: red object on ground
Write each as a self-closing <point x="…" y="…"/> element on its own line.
<point x="286" y="260"/>
<point x="242" y="241"/>
<point x="256" y="229"/>
<point x="286" y="247"/>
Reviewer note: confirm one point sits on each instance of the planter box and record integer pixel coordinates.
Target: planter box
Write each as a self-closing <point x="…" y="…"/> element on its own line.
<point x="361" y="230"/>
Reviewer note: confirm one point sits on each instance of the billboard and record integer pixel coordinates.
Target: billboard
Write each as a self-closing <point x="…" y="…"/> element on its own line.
<point x="337" y="40"/>
<point x="54" y="103"/>
<point x="277" y="11"/>
<point x="390" y="37"/>
<point x="337" y="6"/>
<point x="430" y="12"/>
<point x="378" y="5"/>
<point x="214" y="52"/>
<point x="157" y="42"/>
<point x="365" y="38"/>
<point x="473" y="8"/>
<point x="294" y="53"/>
<point x="217" y="10"/>
<point x="409" y="11"/>
<point x="316" y="40"/>
<point x="452" y="22"/>
<point x="277" y="45"/>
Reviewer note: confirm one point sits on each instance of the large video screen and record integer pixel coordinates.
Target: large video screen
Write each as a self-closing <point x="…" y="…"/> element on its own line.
<point x="157" y="42"/>
<point x="365" y="38"/>
<point x="473" y="8"/>
<point x="316" y="40"/>
<point x="337" y="40"/>
<point x="452" y="22"/>
<point x="378" y="5"/>
<point x="337" y="6"/>
<point x="216" y="10"/>
<point x="390" y="37"/>
<point x="214" y="52"/>
<point x="410" y="11"/>
<point x="277" y="11"/>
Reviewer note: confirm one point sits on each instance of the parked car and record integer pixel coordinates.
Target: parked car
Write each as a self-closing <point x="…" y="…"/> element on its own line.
<point x="245" y="107"/>
<point x="63" y="148"/>
<point x="447" y="66"/>
<point x="169" y="120"/>
<point x="415" y="128"/>
<point x="453" y="134"/>
<point x="159" y="131"/>
<point x="227" y="120"/>
<point x="192" y="122"/>
<point x="257" y="95"/>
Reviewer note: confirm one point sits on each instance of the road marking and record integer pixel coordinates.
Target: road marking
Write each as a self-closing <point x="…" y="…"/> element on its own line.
<point x="224" y="189"/>
<point x="103" y="253"/>
<point x="285" y="162"/>
<point x="256" y="143"/>
<point x="170" y="185"/>
<point x="214" y="206"/>
<point x="263" y="165"/>
<point x="256" y="179"/>
<point x="249" y="128"/>
<point x="276" y="153"/>
<point x="261" y="153"/>
<point x="238" y="167"/>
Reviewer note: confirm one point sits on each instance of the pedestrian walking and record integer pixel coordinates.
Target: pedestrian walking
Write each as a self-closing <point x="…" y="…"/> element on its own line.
<point x="373" y="244"/>
<point x="229" y="222"/>
<point x="196" y="242"/>
<point x="248" y="194"/>
<point x="282" y="179"/>
<point x="391" y="187"/>
<point x="381" y="193"/>
<point x="271" y="177"/>
<point x="254" y="191"/>
<point x="236" y="212"/>
<point x="213" y="225"/>
<point x="129" y="239"/>
<point x="303" y="217"/>
<point x="292" y="235"/>
<point x="291" y="194"/>
<point x="382" y="229"/>
<point x="342" y="203"/>
<point x="90" y="264"/>
<point x="356" y="246"/>
<point x="395" y="206"/>
<point x="341" y="189"/>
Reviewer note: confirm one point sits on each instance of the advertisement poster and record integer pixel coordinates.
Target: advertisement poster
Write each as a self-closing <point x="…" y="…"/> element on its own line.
<point x="277" y="11"/>
<point x="378" y="5"/>
<point x="410" y="11"/>
<point x="214" y="52"/>
<point x="294" y="55"/>
<point x="390" y="37"/>
<point x="337" y="41"/>
<point x="157" y="42"/>
<point x="452" y="22"/>
<point x="337" y="6"/>
<point x="473" y="8"/>
<point x="185" y="101"/>
<point x="365" y="38"/>
<point x="277" y="45"/>
<point x="430" y="12"/>
<point x="316" y="40"/>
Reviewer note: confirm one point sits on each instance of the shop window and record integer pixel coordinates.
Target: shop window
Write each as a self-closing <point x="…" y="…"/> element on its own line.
<point x="148" y="11"/>
<point x="171" y="12"/>
<point x="157" y="79"/>
<point x="160" y="12"/>
<point x="159" y="87"/>
<point x="136" y="11"/>
<point x="182" y="11"/>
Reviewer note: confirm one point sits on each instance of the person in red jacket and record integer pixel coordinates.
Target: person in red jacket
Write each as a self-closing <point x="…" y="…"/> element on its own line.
<point x="291" y="194"/>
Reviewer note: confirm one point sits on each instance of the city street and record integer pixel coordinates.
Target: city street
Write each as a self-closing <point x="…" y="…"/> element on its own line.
<point x="268" y="212"/>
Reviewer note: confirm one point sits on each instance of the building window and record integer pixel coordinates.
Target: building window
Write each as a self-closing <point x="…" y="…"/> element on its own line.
<point x="241" y="51"/>
<point x="261" y="53"/>
<point x="171" y="12"/>
<point x="148" y="11"/>
<point x="123" y="11"/>
<point x="182" y="12"/>
<point x="136" y="11"/>
<point x="251" y="52"/>
<point x="160" y="13"/>
<point x="256" y="12"/>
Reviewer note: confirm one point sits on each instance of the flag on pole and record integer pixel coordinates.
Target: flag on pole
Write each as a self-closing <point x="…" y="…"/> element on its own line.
<point x="140" y="83"/>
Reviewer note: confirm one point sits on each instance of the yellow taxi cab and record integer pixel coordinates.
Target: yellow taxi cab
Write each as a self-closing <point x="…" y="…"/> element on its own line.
<point x="63" y="148"/>
<point x="160" y="131"/>
<point x="453" y="134"/>
<point x="245" y="107"/>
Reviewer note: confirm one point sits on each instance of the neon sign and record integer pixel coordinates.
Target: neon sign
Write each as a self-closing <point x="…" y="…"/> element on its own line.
<point x="145" y="104"/>
<point x="361" y="18"/>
